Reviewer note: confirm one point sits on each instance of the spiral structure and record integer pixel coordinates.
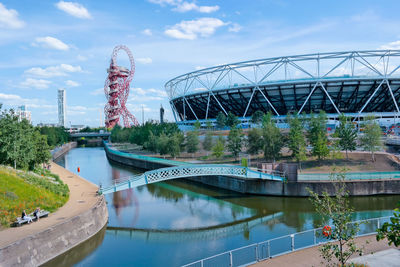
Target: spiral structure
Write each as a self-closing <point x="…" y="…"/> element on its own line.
<point x="116" y="89"/>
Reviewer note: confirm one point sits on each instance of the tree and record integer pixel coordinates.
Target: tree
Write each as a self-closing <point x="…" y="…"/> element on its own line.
<point x="347" y="135"/>
<point x="221" y="119"/>
<point x="255" y="142"/>
<point x="235" y="141"/>
<point x="273" y="140"/>
<point x="338" y="211"/>
<point x="175" y="142"/>
<point x="257" y="117"/>
<point x="391" y="229"/>
<point x="297" y="140"/>
<point x="218" y="148"/>
<point x="231" y="120"/>
<point x="197" y="125"/>
<point x="207" y="143"/>
<point x="371" y="138"/>
<point x="192" y="142"/>
<point x="317" y="135"/>
<point x="42" y="152"/>
<point x="163" y="145"/>
<point x="151" y="143"/>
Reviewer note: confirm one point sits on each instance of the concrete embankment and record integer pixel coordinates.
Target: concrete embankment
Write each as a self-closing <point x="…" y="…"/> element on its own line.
<point x="59" y="151"/>
<point x="84" y="215"/>
<point x="262" y="186"/>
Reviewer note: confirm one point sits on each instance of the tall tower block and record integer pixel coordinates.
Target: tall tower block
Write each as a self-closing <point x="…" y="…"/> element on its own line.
<point x="62" y="103"/>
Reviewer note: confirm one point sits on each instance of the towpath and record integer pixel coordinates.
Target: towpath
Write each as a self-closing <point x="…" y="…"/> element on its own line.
<point x="82" y="197"/>
<point x="311" y="256"/>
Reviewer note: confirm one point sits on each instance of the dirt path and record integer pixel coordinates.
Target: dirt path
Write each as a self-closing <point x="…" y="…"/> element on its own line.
<point x="82" y="197"/>
<point x="311" y="256"/>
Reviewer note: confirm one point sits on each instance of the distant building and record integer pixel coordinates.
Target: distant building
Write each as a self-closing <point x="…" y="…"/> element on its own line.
<point x="47" y="124"/>
<point x="22" y="113"/>
<point x="62" y="103"/>
<point x="161" y="114"/>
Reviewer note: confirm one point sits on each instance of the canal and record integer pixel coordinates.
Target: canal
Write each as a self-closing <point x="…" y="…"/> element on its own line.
<point x="176" y="222"/>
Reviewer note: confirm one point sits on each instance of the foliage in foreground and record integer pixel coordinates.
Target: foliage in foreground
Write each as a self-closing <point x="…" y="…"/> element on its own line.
<point x="21" y="190"/>
<point x="391" y="229"/>
<point x="337" y="210"/>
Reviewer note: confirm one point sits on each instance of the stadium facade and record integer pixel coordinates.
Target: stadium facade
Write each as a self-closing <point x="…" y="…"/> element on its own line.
<point x="356" y="83"/>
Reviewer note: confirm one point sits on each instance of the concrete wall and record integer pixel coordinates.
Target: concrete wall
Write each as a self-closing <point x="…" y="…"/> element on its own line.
<point x="41" y="247"/>
<point x="59" y="151"/>
<point x="274" y="188"/>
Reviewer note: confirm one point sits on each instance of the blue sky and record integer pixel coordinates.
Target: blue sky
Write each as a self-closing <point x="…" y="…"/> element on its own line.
<point x="46" y="45"/>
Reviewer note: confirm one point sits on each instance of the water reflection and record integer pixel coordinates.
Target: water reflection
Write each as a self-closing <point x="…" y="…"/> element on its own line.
<point x="183" y="221"/>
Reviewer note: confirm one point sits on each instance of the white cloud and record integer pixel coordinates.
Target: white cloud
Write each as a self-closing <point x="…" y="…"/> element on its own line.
<point x="147" y="32"/>
<point x="13" y="100"/>
<point x="9" y="18"/>
<point x="35" y="83"/>
<point x="190" y="29"/>
<point x="72" y="83"/>
<point x="50" y="42"/>
<point x="140" y="94"/>
<point x="144" y="60"/>
<point x="391" y="46"/>
<point x="74" y="9"/>
<point x="235" y="28"/>
<point x="81" y="58"/>
<point x="53" y="71"/>
<point x="99" y="91"/>
<point x="183" y="6"/>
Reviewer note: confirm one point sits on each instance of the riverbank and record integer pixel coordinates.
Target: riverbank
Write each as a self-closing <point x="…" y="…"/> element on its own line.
<point x="81" y="217"/>
<point x="374" y="184"/>
<point x="311" y="256"/>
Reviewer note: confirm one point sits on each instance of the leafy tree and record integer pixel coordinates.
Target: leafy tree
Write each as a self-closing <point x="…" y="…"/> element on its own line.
<point x="317" y="135"/>
<point x="163" y="145"/>
<point x="207" y="143"/>
<point x="297" y="139"/>
<point x="221" y="120"/>
<point x="42" y="152"/>
<point x="192" y="142"/>
<point x="197" y="125"/>
<point x="231" y="120"/>
<point x="371" y="138"/>
<point x="151" y="143"/>
<point x="175" y="141"/>
<point x="235" y="141"/>
<point x="255" y="142"/>
<point x="273" y="140"/>
<point x="391" y="230"/>
<point x="257" y="117"/>
<point x="347" y="135"/>
<point x="337" y="210"/>
<point x="218" y="148"/>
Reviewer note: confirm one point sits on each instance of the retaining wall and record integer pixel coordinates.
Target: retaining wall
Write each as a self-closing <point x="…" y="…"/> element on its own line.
<point x="59" y="151"/>
<point x="41" y="247"/>
<point x="270" y="187"/>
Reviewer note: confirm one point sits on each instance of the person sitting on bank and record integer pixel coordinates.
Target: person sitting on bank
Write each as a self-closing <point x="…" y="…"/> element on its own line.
<point x="36" y="213"/>
<point x="25" y="217"/>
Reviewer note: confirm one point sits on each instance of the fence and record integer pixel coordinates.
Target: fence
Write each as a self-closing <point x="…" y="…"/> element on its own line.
<point x="278" y="246"/>
<point x="350" y="176"/>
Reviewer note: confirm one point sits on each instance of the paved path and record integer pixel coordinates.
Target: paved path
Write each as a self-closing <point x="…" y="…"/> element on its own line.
<point x="311" y="256"/>
<point x="81" y="198"/>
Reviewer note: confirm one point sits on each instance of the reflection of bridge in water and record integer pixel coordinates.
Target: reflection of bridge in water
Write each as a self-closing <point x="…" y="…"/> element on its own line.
<point x="201" y="233"/>
<point x="186" y="171"/>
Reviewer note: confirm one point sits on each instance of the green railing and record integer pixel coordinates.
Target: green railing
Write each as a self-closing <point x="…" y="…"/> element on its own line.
<point x="350" y="176"/>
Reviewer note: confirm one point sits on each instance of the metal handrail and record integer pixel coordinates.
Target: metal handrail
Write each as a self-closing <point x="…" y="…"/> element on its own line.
<point x="292" y="237"/>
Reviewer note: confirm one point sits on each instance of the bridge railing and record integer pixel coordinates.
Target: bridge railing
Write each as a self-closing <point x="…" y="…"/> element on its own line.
<point x="281" y="245"/>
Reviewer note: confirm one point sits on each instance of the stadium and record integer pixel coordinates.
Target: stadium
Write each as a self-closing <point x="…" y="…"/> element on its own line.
<point x="356" y="83"/>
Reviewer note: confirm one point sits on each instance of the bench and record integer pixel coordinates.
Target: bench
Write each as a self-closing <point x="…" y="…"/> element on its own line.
<point x="20" y="221"/>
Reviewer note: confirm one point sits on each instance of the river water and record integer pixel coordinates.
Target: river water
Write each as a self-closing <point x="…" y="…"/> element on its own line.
<point x="176" y="222"/>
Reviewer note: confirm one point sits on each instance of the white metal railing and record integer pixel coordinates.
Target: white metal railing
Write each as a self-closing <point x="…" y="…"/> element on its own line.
<point x="253" y="253"/>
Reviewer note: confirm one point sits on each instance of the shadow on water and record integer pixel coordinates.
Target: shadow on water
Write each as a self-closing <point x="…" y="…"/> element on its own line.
<point x="78" y="253"/>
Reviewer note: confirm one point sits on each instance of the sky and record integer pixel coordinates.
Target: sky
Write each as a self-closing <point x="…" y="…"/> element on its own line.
<point x="47" y="45"/>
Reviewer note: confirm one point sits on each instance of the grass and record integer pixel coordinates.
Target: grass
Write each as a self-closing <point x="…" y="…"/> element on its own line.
<point x="20" y="190"/>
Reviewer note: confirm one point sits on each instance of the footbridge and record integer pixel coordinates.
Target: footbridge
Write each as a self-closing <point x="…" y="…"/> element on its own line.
<point x="187" y="171"/>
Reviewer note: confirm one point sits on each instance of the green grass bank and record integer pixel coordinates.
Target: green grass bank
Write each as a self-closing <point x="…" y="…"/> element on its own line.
<point x="21" y="190"/>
